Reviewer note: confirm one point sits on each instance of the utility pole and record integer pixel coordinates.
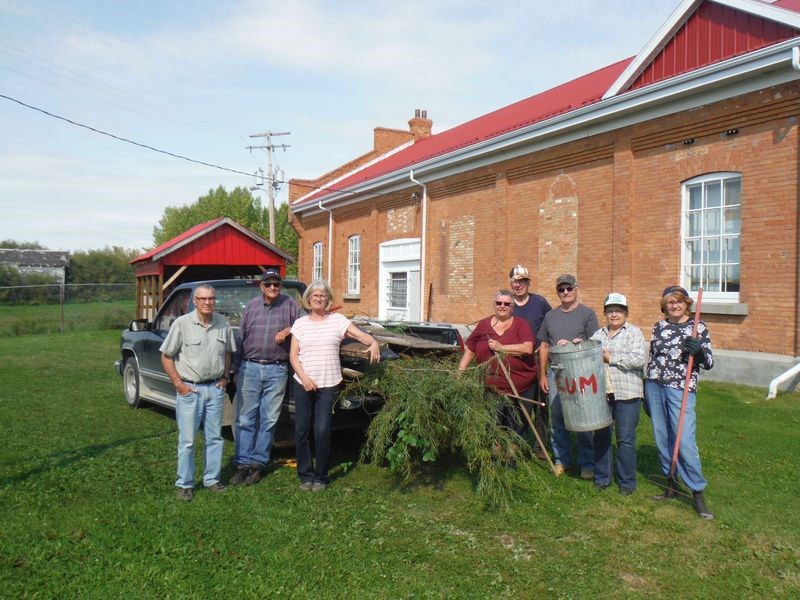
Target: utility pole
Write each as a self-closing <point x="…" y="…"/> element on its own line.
<point x="269" y="147"/>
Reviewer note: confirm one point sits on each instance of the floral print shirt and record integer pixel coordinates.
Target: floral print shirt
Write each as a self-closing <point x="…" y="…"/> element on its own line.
<point x="668" y="360"/>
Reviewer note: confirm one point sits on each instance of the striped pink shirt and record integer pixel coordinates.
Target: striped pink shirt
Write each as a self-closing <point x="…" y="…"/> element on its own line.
<point x="319" y="343"/>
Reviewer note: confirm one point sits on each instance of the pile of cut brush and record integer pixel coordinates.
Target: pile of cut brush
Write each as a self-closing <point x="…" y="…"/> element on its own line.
<point x="431" y="411"/>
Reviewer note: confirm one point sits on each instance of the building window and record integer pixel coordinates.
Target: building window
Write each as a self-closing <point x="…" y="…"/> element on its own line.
<point x="712" y="227"/>
<point x="316" y="267"/>
<point x="398" y="290"/>
<point x="354" y="265"/>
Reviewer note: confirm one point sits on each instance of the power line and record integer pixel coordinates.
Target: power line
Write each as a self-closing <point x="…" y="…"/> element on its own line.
<point x="122" y="139"/>
<point x="154" y="149"/>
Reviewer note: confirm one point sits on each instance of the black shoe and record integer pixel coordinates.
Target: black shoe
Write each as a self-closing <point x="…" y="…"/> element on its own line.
<point x="600" y="486"/>
<point x="240" y="475"/>
<point x="700" y="506"/>
<point x="670" y="492"/>
<point x="624" y="491"/>
<point x="253" y="476"/>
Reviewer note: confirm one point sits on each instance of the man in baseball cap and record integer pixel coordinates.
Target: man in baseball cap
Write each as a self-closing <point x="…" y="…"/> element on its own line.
<point x="570" y="322"/>
<point x="531" y="307"/>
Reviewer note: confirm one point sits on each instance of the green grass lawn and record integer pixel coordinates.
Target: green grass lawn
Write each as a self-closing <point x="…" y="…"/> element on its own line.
<point x="48" y="318"/>
<point x="89" y="509"/>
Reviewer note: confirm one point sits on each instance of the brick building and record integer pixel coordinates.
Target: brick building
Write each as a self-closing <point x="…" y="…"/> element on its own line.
<point x="678" y="165"/>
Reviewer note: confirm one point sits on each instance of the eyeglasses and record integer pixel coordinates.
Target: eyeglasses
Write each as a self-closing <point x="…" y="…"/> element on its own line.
<point x="674" y="303"/>
<point x="198" y="300"/>
<point x="565" y="289"/>
<point x="501" y="303"/>
<point x="271" y="284"/>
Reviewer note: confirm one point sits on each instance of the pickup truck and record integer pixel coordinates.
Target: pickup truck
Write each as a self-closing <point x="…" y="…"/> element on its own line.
<point x="144" y="380"/>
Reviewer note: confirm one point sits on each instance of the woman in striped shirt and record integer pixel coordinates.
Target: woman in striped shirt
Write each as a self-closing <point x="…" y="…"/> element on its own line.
<point x="314" y="354"/>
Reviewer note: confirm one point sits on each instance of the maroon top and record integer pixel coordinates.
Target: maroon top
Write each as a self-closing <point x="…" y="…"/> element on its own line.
<point x="522" y="368"/>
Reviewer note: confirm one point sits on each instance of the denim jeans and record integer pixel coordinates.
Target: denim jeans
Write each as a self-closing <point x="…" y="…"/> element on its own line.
<point x="562" y="451"/>
<point x="320" y="403"/>
<point x="626" y="419"/>
<point x="664" y="404"/>
<point x="204" y="404"/>
<point x="260" y="389"/>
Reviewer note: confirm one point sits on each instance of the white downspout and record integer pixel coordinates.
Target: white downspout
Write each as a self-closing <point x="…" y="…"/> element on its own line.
<point x="422" y="244"/>
<point x="330" y="239"/>
<point x="796" y="58"/>
<point x="773" y="385"/>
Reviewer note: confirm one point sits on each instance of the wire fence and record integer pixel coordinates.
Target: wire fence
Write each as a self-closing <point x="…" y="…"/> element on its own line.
<point x="51" y="308"/>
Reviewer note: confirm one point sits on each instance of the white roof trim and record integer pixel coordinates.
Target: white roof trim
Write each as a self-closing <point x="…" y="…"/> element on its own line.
<point x="676" y="21"/>
<point x="377" y="159"/>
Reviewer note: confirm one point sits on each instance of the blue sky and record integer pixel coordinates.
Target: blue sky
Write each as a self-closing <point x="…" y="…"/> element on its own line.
<point x="196" y="77"/>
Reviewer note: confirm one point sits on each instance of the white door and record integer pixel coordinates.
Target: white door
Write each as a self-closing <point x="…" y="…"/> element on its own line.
<point x="399" y="285"/>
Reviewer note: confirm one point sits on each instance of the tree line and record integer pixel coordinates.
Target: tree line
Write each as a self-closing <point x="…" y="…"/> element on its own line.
<point x="111" y="266"/>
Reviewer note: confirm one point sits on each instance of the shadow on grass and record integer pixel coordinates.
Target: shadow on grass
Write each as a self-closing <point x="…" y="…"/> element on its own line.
<point x="67" y="457"/>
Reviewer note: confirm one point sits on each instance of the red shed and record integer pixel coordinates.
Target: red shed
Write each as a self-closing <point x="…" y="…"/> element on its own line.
<point x="217" y="249"/>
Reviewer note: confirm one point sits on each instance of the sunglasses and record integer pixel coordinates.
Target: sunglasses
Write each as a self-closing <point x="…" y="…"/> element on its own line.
<point x="565" y="288"/>
<point x="501" y="303"/>
<point x="271" y="284"/>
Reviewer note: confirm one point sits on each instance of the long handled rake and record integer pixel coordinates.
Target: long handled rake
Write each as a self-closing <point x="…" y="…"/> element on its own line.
<point x="519" y="400"/>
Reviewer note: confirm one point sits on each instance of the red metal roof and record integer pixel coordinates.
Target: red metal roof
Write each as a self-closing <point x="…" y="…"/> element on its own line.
<point x="714" y="33"/>
<point x="221" y="241"/>
<point x="558" y="100"/>
<point x="176" y="240"/>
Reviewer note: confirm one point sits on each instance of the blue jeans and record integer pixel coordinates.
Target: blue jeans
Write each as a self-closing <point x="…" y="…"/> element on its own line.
<point x="626" y="419"/>
<point x="320" y="402"/>
<point x="260" y="389"/>
<point x="664" y="404"/>
<point x="204" y="404"/>
<point x="562" y="451"/>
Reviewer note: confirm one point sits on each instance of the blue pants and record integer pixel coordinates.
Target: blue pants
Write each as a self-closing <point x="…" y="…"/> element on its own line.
<point x="202" y="404"/>
<point x="664" y="405"/>
<point x="626" y="419"/>
<point x="260" y="389"/>
<point x="320" y="403"/>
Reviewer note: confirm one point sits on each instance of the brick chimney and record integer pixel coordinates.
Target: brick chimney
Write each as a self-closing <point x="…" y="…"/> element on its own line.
<point x="420" y="125"/>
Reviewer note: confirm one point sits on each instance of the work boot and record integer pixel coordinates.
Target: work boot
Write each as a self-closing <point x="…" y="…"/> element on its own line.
<point x="700" y="506"/>
<point x="253" y="476"/>
<point x="240" y="475"/>
<point x="670" y="492"/>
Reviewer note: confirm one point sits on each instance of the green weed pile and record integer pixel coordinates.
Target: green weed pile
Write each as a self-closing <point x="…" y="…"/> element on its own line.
<point x="430" y="411"/>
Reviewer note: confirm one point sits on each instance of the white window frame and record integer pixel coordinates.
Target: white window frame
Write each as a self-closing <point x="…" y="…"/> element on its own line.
<point x="316" y="266"/>
<point x="354" y="264"/>
<point x="715" y="234"/>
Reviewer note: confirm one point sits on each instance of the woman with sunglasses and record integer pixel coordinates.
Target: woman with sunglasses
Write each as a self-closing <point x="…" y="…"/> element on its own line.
<point x="502" y="336"/>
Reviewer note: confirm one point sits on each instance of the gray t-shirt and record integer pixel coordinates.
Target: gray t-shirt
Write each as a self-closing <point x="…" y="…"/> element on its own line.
<point x="580" y="322"/>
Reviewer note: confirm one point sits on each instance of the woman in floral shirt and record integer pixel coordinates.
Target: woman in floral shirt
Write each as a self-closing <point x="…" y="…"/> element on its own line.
<point x="671" y="345"/>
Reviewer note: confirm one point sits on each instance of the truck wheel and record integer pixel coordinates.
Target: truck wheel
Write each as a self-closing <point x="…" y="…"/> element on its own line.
<point x="130" y="383"/>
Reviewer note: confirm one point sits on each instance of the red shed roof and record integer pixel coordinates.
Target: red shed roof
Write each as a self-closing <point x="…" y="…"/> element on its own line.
<point x="221" y="241"/>
<point x="726" y="28"/>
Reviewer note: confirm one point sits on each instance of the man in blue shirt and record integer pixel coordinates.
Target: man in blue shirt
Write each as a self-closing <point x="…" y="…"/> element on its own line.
<point x="263" y="373"/>
<point x="531" y="307"/>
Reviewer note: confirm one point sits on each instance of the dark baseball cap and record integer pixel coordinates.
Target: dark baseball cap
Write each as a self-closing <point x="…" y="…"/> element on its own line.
<point x="271" y="274"/>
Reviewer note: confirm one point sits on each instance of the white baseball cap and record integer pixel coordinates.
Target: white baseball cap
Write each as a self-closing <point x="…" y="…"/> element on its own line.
<point x="615" y="299"/>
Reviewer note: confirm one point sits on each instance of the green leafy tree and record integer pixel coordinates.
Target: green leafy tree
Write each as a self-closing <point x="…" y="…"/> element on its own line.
<point x="15" y="245"/>
<point x="239" y="205"/>
<point x="109" y="265"/>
